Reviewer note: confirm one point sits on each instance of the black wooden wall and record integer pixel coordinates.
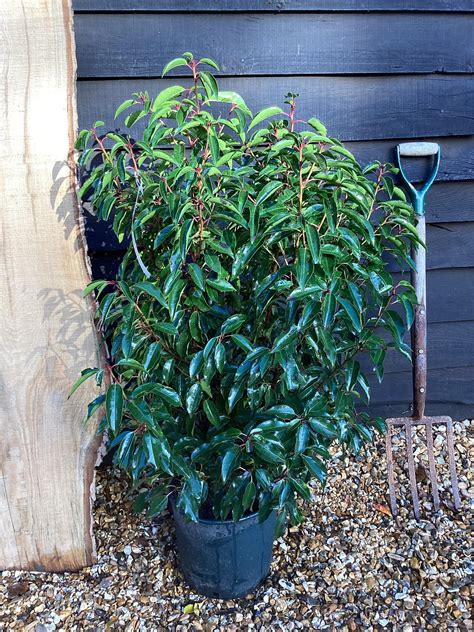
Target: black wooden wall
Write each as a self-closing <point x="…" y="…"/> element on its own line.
<point x="376" y="72"/>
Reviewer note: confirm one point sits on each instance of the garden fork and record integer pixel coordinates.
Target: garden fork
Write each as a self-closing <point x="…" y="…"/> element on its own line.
<point x="418" y="279"/>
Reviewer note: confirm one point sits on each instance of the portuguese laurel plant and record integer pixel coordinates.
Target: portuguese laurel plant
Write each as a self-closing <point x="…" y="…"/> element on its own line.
<point x="253" y="291"/>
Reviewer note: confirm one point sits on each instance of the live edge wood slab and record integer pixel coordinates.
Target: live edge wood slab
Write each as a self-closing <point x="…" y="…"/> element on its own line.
<point x="47" y="335"/>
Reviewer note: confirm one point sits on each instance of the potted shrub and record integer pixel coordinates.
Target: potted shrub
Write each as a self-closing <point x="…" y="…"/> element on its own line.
<point x="253" y="298"/>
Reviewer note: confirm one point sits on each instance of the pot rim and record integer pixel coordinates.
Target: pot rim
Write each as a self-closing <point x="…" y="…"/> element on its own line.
<point x="218" y="522"/>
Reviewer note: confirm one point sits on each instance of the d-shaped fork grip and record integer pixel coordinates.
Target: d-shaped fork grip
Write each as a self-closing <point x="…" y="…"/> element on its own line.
<point x="417" y="150"/>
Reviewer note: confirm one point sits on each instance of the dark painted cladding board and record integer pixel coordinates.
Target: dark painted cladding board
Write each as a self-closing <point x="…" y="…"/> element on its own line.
<point x="444" y="385"/>
<point x="447" y="407"/>
<point x="189" y="6"/>
<point x="457" y="158"/>
<point x="450" y="202"/>
<point x="450" y="345"/>
<point x="353" y="108"/>
<point x="449" y="246"/>
<point x="251" y="44"/>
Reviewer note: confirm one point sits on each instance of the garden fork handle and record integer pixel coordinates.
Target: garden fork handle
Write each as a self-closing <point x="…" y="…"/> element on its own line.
<point x="418" y="276"/>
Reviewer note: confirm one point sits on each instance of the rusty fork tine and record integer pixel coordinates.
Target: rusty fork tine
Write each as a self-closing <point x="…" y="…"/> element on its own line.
<point x="432" y="465"/>
<point x="390" y="471"/>
<point x="411" y="469"/>
<point x="452" y="464"/>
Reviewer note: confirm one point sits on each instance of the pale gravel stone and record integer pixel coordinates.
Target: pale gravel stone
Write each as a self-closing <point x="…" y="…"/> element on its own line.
<point x="348" y="567"/>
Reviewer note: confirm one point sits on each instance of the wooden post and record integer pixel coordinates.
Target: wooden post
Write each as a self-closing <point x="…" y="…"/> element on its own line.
<point x="47" y="336"/>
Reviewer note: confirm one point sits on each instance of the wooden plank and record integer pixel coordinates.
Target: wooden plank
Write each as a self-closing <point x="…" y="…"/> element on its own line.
<point x="231" y="6"/>
<point x="450" y="345"/>
<point x="47" y="456"/>
<point x="353" y="108"/>
<point x="250" y="44"/>
<point x="450" y="245"/>
<point x="450" y="202"/>
<point x="454" y="409"/>
<point x="457" y="157"/>
<point x="445" y="386"/>
<point x="450" y="295"/>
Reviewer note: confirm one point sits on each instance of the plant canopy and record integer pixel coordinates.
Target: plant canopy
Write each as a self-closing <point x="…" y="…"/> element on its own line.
<point x="254" y="297"/>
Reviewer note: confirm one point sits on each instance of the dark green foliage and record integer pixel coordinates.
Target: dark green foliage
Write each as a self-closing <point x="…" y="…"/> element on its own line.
<point x="235" y="365"/>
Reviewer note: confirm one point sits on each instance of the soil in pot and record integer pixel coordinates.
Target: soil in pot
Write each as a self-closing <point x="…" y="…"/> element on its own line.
<point x="225" y="560"/>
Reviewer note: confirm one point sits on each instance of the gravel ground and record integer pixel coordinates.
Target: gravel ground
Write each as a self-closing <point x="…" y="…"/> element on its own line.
<point x="350" y="566"/>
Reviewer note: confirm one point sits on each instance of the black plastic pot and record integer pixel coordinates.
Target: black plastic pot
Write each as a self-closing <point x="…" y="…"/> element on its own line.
<point x="224" y="559"/>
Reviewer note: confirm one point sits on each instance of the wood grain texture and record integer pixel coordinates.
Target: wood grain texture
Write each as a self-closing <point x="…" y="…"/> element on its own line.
<point x="352" y="108"/>
<point x="47" y="455"/>
<point x="231" y="6"/>
<point x="251" y="44"/>
<point x="446" y="387"/>
<point x="450" y="346"/>
<point x="457" y="158"/>
<point x="450" y="202"/>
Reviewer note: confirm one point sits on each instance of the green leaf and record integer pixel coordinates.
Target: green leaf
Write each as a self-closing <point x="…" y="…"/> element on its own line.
<point x="85" y="375"/>
<point x="268" y="190"/>
<point x="323" y="427"/>
<point x="318" y="126"/>
<point x="158" y="504"/>
<point x="153" y="291"/>
<point x="351" y="312"/>
<point x="124" y="106"/>
<point x="197" y="275"/>
<point x="249" y="495"/>
<point x="212" y="413"/>
<point x="329" y="306"/>
<point x="168" y="94"/>
<point x="229" y="462"/>
<point x="152" y="356"/>
<point x="313" y="242"/>
<point x="316" y="468"/>
<point x="270" y="452"/>
<point x="221" y="285"/>
<point x="210" y="84"/>
<point x="193" y="398"/>
<point x="209" y="62"/>
<point x="264" y="114"/>
<point x="285" y="339"/>
<point x="302" y="437"/>
<point x="174" y="63"/>
<point x="219" y="356"/>
<point x="168" y="394"/>
<point x="233" y="323"/>
<point x="114" y="407"/>
<point x="95" y="285"/>
<point x="282" y="411"/>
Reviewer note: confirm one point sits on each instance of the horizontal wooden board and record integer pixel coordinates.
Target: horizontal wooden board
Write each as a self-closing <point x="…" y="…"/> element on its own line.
<point x="139" y="45"/>
<point x="450" y="386"/>
<point x="353" y="108"/>
<point x="231" y="6"/>
<point x="457" y="157"/>
<point x="450" y="345"/>
<point x="450" y="245"/>
<point x="450" y="295"/>
<point x="450" y="202"/>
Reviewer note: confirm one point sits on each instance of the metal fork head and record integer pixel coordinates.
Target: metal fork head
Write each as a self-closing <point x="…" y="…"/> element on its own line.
<point x="408" y="423"/>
